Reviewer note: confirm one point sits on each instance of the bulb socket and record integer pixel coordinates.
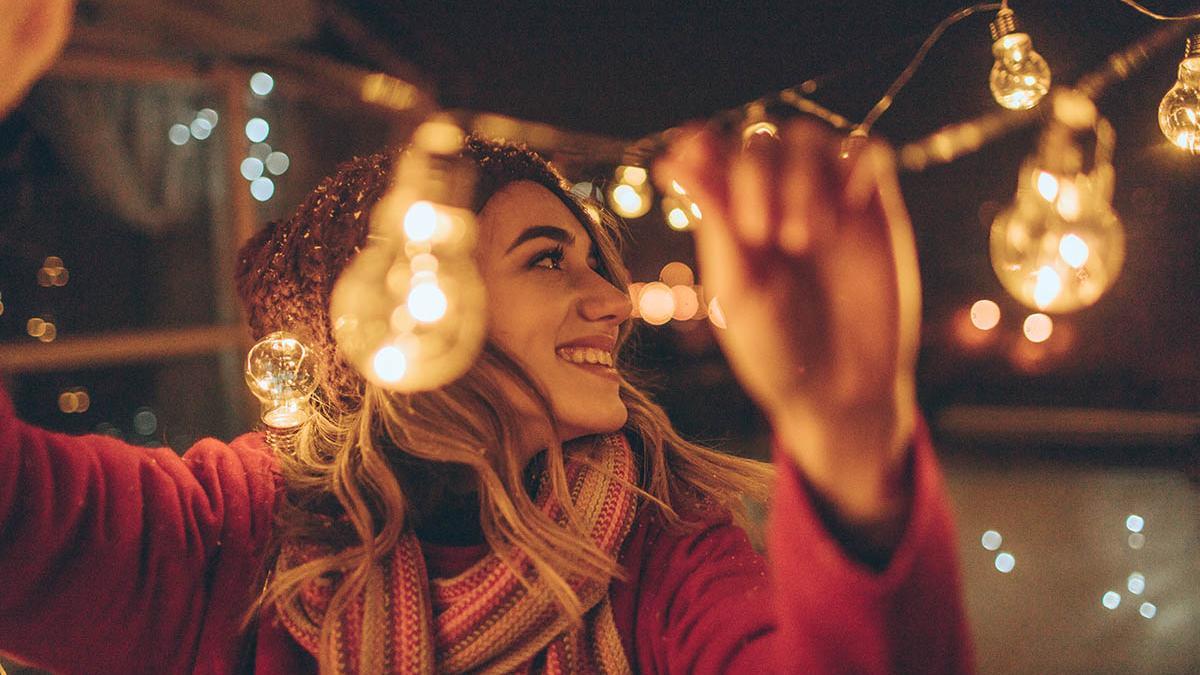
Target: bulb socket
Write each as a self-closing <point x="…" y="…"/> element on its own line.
<point x="281" y="440"/>
<point x="1193" y="46"/>
<point x="1004" y="24"/>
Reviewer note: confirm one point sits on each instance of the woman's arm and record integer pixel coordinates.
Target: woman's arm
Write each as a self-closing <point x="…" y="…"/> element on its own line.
<point x="110" y="553"/>
<point x="706" y="602"/>
<point x="810" y="254"/>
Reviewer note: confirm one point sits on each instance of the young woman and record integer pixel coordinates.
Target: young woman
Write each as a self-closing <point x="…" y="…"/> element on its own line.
<point x="539" y="514"/>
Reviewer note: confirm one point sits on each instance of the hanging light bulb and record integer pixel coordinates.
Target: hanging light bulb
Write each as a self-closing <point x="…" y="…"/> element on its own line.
<point x="1020" y="76"/>
<point x="1059" y="246"/>
<point x="281" y="372"/>
<point x="408" y="311"/>
<point x="1179" y="111"/>
<point x="630" y="195"/>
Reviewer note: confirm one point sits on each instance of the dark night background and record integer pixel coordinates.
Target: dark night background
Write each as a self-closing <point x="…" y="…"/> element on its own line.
<point x="1001" y="408"/>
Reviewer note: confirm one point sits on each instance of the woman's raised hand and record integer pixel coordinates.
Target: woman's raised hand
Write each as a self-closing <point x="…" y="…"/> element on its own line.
<point x="810" y="253"/>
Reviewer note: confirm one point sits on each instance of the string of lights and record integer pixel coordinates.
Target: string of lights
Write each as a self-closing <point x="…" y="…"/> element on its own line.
<point x="1160" y="17"/>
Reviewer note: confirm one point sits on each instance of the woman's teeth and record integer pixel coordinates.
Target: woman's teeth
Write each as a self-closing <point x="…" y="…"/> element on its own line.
<point x="586" y="355"/>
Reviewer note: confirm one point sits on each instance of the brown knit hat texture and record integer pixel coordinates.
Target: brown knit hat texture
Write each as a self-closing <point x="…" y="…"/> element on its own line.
<point x="286" y="272"/>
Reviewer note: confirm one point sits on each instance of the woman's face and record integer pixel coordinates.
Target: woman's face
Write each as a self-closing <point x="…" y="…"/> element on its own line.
<point x="550" y="309"/>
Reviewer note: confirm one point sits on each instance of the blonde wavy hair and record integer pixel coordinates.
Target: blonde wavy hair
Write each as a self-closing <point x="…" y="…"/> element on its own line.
<point x="363" y="472"/>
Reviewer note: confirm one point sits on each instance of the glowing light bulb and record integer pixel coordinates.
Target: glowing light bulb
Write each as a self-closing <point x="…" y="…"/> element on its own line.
<point x="1059" y="246"/>
<point x="1020" y="76"/>
<point x="1179" y="111"/>
<point x="409" y="311"/>
<point x="281" y="372"/>
<point x="985" y="314"/>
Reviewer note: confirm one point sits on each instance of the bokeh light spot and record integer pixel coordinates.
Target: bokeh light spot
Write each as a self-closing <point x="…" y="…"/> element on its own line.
<point x="257" y="130"/>
<point x="252" y="168"/>
<point x="179" y="134"/>
<point x="991" y="540"/>
<point x="262" y="188"/>
<point x="261" y="83"/>
<point x="1111" y="600"/>
<point x="985" y="314"/>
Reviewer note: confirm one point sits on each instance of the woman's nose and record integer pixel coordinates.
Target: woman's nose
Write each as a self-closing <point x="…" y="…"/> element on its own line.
<point x="603" y="301"/>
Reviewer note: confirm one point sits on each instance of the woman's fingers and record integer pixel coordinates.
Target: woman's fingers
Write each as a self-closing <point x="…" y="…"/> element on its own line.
<point x="809" y="188"/>
<point x="754" y="191"/>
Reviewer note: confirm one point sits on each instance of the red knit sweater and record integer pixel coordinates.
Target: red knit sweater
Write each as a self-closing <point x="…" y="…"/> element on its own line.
<point x="120" y="559"/>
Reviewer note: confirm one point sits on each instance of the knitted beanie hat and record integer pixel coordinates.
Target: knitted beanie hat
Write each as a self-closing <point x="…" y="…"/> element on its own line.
<point x="286" y="272"/>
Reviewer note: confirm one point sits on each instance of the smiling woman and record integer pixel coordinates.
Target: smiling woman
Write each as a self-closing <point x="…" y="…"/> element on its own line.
<point x="540" y="513"/>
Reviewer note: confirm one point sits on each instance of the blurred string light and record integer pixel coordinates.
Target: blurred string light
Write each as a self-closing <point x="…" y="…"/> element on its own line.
<point x="630" y="195"/>
<point x="257" y="129"/>
<point x="1020" y="76"/>
<point x="281" y="372"/>
<point x="1111" y="600"/>
<point x="1059" y="246"/>
<point x="1135" y="523"/>
<point x="1037" y="328"/>
<point x="1136" y="541"/>
<point x="1005" y="562"/>
<point x="75" y="401"/>
<point x="1148" y="610"/>
<point x="1136" y="583"/>
<point x="262" y="188"/>
<point x="145" y="422"/>
<point x="53" y="273"/>
<point x="41" y="328"/>
<point x="985" y="314"/>
<point x="261" y="83"/>
<point x="200" y="128"/>
<point x="427" y="325"/>
<point x="673" y="297"/>
<point x="991" y="540"/>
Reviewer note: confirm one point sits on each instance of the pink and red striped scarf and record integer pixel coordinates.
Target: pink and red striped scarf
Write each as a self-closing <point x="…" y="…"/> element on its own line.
<point x="485" y="619"/>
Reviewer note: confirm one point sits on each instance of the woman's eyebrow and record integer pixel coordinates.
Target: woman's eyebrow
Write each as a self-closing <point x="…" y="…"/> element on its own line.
<point x="548" y="231"/>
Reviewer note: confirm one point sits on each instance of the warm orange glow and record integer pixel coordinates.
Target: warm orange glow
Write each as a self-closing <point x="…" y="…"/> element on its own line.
<point x="1038" y="327"/>
<point x="427" y="303"/>
<point x="657" y="303"/>
<point x="628" y="202"/>
<point x="35" y="327"/>
<point x="715" y="315"/>
<point x="686" y="302"/>
<point x="420" y="221"/>
<point x="635" y="296"/>
<point x="632" y="175"/>
<point x="677" y="274"/>
<point x="985" y="314"/>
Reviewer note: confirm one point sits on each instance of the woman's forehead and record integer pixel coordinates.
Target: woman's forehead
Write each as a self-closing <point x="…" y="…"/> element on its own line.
<point x="524" y="204"/>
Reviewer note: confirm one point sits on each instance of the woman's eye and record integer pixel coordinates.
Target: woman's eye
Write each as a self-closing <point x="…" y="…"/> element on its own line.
<point x="550" y="259"/>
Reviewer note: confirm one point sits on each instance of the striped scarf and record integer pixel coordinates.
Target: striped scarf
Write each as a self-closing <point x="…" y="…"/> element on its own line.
<point x="485" y="619"/>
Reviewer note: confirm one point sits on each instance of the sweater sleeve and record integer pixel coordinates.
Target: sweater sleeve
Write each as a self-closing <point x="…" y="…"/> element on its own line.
<point x="706" y="602"/>
<point x="111" y="553"/>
